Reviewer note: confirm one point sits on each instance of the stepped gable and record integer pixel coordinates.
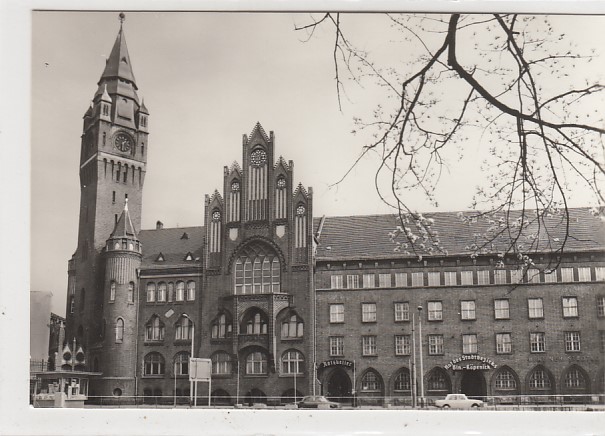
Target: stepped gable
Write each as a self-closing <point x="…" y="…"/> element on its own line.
<point x="173" y="246"/>
<point x="367" y="237"/>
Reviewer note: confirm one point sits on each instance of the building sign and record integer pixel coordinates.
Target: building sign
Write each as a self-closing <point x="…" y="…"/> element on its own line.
<point x="335" y="362"/>
<point x="199" y="369"/>
<point x="461" y="363"/>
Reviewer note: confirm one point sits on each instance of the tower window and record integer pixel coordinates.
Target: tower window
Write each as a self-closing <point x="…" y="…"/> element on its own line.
<point x="142" y="149"/>
<point x="125" y="196"/>
<point x="119" y="331"/>
<point x="113" y="197"/>
<point x="104" y="134"/>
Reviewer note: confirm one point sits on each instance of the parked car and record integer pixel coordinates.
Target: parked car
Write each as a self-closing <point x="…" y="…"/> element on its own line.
<point x="317" y="402"/>
<point x="458" y="401"/>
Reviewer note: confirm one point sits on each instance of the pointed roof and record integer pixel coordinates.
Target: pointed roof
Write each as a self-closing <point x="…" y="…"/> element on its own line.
<point x="105" y="96"/>
<point x="258" y="129"/>
<point x="143" y="108"/>
<point x="124" y="226"/>
<point x="118" y="63"/>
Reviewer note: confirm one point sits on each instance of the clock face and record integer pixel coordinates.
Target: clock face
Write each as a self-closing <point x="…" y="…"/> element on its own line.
<point x="216" y="215"/>
<point x="281" y="183"/>
<point x="122" y="142"/>
<point x="258" y="158"/>
<point x="300" y="210"/>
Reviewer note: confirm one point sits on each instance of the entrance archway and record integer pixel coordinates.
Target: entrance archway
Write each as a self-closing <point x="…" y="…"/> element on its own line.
<point x="473" y="384"/>
<point x="339" y="386"/>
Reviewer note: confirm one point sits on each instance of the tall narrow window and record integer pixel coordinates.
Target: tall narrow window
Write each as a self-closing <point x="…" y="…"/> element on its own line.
<point x="181" y="363"/>
<point x="352" y="281"/>
<point x="469" y="344"/>
<point x="337" y="345"/>
<point x="503" y="343"/>
<point x="130" y="296"/>
<point x="537" y="342"/>
<point x="161" y="295"/>
<point x="467" y="310"/>
<point x="535" y="307"/>
<point x="368" y="345"/>
<point x="501" y="309"/>
<point x="292" y="362"/>
<point x="112" y="291"/>
<point x="435" y="312"/>
<point x="119" y="330"/>
<point x="183" y="329"/>
<point x="402" y="311"/>
<point x="601" y="306"/>
<point x="154" y="329"/>
<point x="150" y="292"/>
<point x="435" y="345"/>
<point x="402" y="345"/>
<point x="180" y="291"/>
<point x="190" y="291"/>
<point x="257" y="271"/>
<point x="570" y="307"/>
<point x="368" y="312"/>
<point x="337" y="313"/>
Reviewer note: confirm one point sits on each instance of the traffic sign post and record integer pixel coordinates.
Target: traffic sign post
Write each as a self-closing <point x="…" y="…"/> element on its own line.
<point x="200" y="370"/>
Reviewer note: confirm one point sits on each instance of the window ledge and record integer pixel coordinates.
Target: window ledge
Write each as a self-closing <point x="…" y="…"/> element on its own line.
<point x="153" y="343"/>
<point x="153" y="375"/>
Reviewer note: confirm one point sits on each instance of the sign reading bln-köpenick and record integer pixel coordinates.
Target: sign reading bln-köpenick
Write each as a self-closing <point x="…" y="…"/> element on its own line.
<point x="461" y="363"/>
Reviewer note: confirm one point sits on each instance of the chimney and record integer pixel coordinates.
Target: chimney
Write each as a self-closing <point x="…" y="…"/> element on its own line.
<point x="159" y="225"/>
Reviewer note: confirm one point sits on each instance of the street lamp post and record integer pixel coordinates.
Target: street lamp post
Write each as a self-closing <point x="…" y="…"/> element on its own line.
<point x="414" y="378"/>
<point x="192" y="350"/>
<point x="421" y="366"/>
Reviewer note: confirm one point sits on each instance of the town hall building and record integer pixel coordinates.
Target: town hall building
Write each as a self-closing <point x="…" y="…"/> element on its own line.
<point x="286" y="304"/>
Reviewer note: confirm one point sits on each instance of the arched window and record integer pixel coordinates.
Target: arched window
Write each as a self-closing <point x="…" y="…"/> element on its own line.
<point x="112" y="291"/>
<point x="292" y="362"/>
<point x="180" y="291"/>
<point x="183" y="329"/>
<point x="257" y="271"/>
<point x="574" y="379"/>
<point x="181" y="363"/>
<point x="370" y="382"/>
<point x="221" y="363"/>
<point x="438" y="380"/>
<point x="221" y="327"/>
<point x="150" y="292"/>
<point x="119" y="330"/>
<point x="539" y="380"/>
<point x="255" y="324"/>
<point x="190" y="291"/>
<point x="161" y="296"/>
<point x="153" y="364"/>
<point x="256" y="363"/>
<point x="506" y="380"/>
<point x="292" y="327"/>
<point x="154" y="329"/>
<point x="402" y="381"/>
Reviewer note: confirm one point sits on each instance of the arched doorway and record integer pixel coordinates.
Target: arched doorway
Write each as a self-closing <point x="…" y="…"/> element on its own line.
<point x="473" y="384"/>
<point x="339" y="386"/>
<point x="255" y="396"/>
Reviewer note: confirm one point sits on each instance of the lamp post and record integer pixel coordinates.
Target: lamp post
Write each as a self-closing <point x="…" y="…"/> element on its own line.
<point x="420" y="345"/>
<point x="192" y="350"/>
<point x="414" y="378"/>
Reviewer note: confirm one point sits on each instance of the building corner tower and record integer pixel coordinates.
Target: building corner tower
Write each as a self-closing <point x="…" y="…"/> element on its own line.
<point x="113" y="159"/>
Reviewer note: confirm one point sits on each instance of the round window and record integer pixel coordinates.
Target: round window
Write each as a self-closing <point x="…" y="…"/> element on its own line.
<point x="258" y="158"/>
<point x="235" y="186"/>
<point x="117" y="392"/>
<point x="300" y="210"/>
<point x="216" y="215"/>
<point x="281" y="183"/>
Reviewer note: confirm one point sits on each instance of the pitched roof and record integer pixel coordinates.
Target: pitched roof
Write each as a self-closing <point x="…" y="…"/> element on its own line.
<point x="173" y="246"/>
<point x="124" y="226"/>
<point x="118" y="63"/>
<point x="367" y="237"/>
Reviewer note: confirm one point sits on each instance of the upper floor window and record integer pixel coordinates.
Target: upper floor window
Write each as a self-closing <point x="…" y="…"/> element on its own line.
<point x="337" y="313"/>
<point x="533" y="275"/>
<point x="466" y="278"/>
<point x="180" y="291"/>
<point x="190" y="290"/>
<point x="161" y="293"/>
<point x="255" y="324"/>
<point x="535" y="307"/>
<point x="469" y="344"/>
<point x="402" y="345"/>
<point x="482" y="277"/>
<point x="601" y="306"/>
<point x="434" y="279"/>
<point x="153" y="364"/>
<point x="572" y="341"/>
<point x="435" y="345"/>
<point x="130" y="296"/>
<point x="369" y="280"/>
<point x="154" y="329"/>
<point x="516" y="276"/>
<point x="435" y="311"/>
<point x="499" y="276"/>
<point x="567" y="274"/>
<point x="352" y="281"/>
<point x="570" y="307"/>
<point x="292" y="327"/>
<point x="119" y="330"/>
<point x="257" y="271"/>
<point x="384" y="280"/>
<point x="221" y="327"/>
<point x="112" y="291"/>
<point x="336" y="281"/>
<point x="501" y="309"/>
<point x="368" y="312"/>
<point x="337" y="346"/>
<point x="450" y="278"/>
<point x="550" y="276"/>
<point x="401" y="280"/>
<point x="292" y="362"/>
<point x="599" y="273"/>
<point x="368" y="345"/>
<point x="417" y="279"/>
<point x="402" y="311"/>
<point x="467" y="309"/>
<point x="150" y="292"/>
<point x="183" y="329"/>
<point x="256" y="363"/>
<point x="537" y="342"/>
<point x="504" y="343"/>
<point x="584" y="274"/>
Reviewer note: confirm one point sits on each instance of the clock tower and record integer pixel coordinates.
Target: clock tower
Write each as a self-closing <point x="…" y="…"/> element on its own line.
<point x="113" y="158"/>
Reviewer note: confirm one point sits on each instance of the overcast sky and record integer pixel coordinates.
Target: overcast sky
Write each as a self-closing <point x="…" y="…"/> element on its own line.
<point x="206" y="79"/>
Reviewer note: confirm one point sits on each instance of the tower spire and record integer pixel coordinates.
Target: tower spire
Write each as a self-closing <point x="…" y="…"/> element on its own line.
<point x="118" y="64"/>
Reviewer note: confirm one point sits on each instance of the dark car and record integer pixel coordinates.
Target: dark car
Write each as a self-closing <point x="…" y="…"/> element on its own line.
<point x="317" y="402"/>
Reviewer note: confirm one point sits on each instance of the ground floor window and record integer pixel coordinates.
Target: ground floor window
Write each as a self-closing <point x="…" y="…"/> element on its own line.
<point x="402" y="381"/>
<point x="505" y="380"/>
<point x="370" y="382"/>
